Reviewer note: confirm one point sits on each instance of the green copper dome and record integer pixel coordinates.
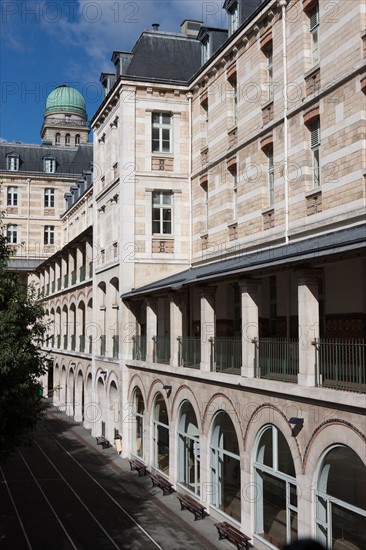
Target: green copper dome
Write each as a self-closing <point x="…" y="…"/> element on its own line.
<point x="65" y="99"/>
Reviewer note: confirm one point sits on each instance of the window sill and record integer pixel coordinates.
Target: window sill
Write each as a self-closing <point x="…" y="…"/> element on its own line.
<point x="232" y="224"/>
<point x="313" y="191"/>
<point x="232" y="129"/>
<point x="267" y="210"/>
<point x="204" y="150"/>
<point x="162" y="154"/>
<point x="312" y="71"/>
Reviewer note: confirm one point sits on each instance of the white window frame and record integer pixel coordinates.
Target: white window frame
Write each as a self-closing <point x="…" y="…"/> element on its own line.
<point x="12" y="196"/>
<point x="12" y="163"/>
<point x="162" y="207"/>
<point x="233" y="19"/>
<point x="315" y="144"/>
<point x="49" y="165"/>
<point x="274" y="472"/>
<point x="314" y="35"/>
<point x="205" y="50"/>
<point x="12" y="233"/>
<point x="270" y="177"/>
<point x="49" y="197"/>
<point x="49" y="234"/>
<point x="269" y="69"/>
<point x="157" y="146"/>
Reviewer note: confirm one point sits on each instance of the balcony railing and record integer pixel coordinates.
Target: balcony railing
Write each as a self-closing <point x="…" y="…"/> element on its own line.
<point x="340" y="364"/>
<point x="161" y="349"/>
<point x="66" y="280"/>
<point x="189" y="354"/>
<point x="53" y="286"/>
<point x="47" y="289"/>
<point x="102" y="345"/>
<point x="82" y="273"/>
<point x="82" y="343"/>
<point x="65" y="341"/>
<point x="226" y="355"/>
<point x="73" y="277"/>
<point x="64" y="122"/>
<point x="59" y="283"/>
<point x="139" y="348"/>
<point x="73" y="342"/>
<point x="90" y="269"/>
<point x="90" y="344"/>
<point x="115" y="339"/>
<point x="58" y="341"/>
<point x="277" y="359"/>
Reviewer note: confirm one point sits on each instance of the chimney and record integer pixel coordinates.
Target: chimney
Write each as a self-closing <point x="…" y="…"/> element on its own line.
<point x="190" y="27"/>
<point x="155" y="27"/>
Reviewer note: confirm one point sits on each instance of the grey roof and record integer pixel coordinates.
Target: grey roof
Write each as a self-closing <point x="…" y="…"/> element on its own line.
<point x="295" y="252"/>
<point x="167" y="56"/>
<point x="23" y="264"/>
<point x="69" y="160"/>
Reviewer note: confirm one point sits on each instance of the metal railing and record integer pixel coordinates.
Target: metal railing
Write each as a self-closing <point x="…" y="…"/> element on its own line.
<point x="115" y="339"/>
<point x="73" y="277"/>
<point x="65" y="341"/>
<point x="66" y="280"/>
<point x="59" y="283"/>
<point x="226" y="355"/>
<point x="90" y="269"/>
<point x="82" y="273"/>
<point x="73" y="342"/>
<point x="139" y="348"/>
<point x="189" y="352"/>
<point x="53" y="286"/>
<point x="58" y="341"/>
<point x="277" y="359"/>
<point x="47" y="291"/>
<point x="82" y="343"/>
<point x="161" y="349"/>
<point x="102" y="345"/>
<point x="340" y="364"/>
<point x="90" y="344"/>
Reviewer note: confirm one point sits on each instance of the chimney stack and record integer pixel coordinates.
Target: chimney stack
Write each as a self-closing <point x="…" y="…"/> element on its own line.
<point x="155" y="27"/>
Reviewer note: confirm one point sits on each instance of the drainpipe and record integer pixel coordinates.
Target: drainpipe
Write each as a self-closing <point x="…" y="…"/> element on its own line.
<point x="189" y="97"/>
<point x="283" y="4"/>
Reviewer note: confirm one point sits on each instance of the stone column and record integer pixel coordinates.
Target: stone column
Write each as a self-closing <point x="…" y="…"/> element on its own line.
<point x="207" y="325"/>
<point x="176" y="327"/>
<point x="151" y="328"/>
<point x="250" y="324"/>
<point x="308" y="308"/>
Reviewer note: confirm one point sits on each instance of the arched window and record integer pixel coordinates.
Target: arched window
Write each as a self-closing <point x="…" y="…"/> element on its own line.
<point x="275" y="482"/>
<point x="161" y="435"/>
<point x="341" y="500"/>
<point x="138" y="425"/>
<point x="225" y="467"/>
<point x="188" y="449"/>
<point x="67" y="139"/>
<point x="77" y="139"/>
<point x="58" y="138"/>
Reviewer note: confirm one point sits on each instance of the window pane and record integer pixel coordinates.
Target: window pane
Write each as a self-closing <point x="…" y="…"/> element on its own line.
<point x="167" y="228"/>
<point x="166" y="119"/>
<point x="265" y="449"/>
<point x="155" y="118"/>
<point x="274" y="509"/>
<point x="167" y="198"/>
<point x="285" y="462"/>
<point x="156" y="198"/>
<point x="156" y="227"/>
<point x="348" y="529"/>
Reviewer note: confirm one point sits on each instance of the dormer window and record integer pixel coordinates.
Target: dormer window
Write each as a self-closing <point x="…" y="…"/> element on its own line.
<point x="49" y="165"/>
<point x="233" y="18"/>
<point x="205" y="50"/>
<point x="12" y="163"/>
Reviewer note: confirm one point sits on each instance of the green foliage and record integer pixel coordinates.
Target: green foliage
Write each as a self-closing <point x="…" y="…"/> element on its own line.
<point x="21" y="361"/>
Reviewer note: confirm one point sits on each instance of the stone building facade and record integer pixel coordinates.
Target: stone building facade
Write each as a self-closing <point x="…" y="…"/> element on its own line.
<point x="226" y="306"/>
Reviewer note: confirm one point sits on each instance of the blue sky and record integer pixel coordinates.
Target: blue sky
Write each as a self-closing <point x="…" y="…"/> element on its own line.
<point x="45" y="43"/>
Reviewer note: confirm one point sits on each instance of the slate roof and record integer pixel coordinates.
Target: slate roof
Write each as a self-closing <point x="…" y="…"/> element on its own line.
<point x="167" y="56"/>
<point x="69" y="160"/>
<point x="246" y="262"/>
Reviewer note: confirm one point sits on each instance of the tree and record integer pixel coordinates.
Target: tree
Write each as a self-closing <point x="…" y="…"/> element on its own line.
<point x="21" y="359"/>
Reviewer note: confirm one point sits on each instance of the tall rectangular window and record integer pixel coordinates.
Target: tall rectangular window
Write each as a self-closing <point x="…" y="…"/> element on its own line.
<point x="49" y="165"/>
<point x="315" y="152"/>
<point x="233" y="19"/>
<point x="49" y="234"/>
<point x="12" y="196"/>
<point x="161" y="133"/>
<point x="12" y="163"/>
<point x="205" y="50"/>
<point x="314" y="35"/>
<point x="270" y="177"/>
<point x="162" y="212"/>
<point x="12" y="234"/>
<point x="49" y="197"/>
<point x="269" y="75"/>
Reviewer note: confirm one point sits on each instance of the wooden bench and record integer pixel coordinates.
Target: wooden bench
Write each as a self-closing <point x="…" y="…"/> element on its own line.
<point x="138" y="465"/>
<point x="189" y="503"/>
<point x="101" y="440"/>
<point x="227" y="531"/>
<point x="162" y="482"/>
